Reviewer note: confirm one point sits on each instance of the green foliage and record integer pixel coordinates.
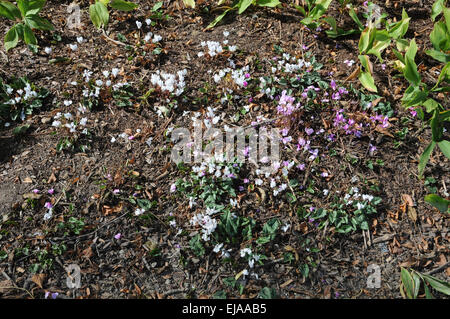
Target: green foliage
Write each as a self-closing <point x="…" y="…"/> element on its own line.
<point x="313" y="11"/>
<point x="268" y="293"/>
<point x="99" y="13"/>
<point x="442" y="204"/>
<point x="26" y="16"/>
<point x="241" y="6"/>
<point x="196" y="245"/>
<point x="19" y="98"/>
<point x="412" y="280"/>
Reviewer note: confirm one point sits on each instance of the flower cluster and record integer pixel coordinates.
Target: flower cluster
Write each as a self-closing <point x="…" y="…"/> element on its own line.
<point x="169" y="82"/>
<point x="206" y="222"/>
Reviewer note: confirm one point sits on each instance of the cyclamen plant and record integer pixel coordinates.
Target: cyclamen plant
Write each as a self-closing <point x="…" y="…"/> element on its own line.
<point x="19" y="97"/>
<point x="26" y="14"/>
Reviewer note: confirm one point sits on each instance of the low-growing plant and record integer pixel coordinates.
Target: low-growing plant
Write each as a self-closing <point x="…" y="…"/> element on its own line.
<point x="240" y="6"/>
<point x="19" y="98"/>
<point x="26" y="16"/>
<point x="412" y="280"/>
<point x="99" y="12"/>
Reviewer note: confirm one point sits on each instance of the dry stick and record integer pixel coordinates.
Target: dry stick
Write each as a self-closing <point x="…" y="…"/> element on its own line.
<point x="14" y="286"/>
<point x="438" y="269"/>
<point x="112" y="40"/>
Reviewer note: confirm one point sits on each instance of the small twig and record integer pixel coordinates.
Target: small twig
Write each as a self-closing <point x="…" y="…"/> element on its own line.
<point x="173" y="292"/>
<point x="112" y="40"/>
<point x="447" y="264"/>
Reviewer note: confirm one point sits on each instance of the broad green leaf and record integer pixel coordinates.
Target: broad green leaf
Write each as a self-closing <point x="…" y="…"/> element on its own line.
<point x="34" y="7"/>
<point x="243" y="5"/>
<point x="439" y="37"/>
<point x="410" y="72"/>
<point x="438" y="55"/>
<point x="425" y="157"/>
<point x="378" y="48"/>
<point x="99" y="14"/>
<point x="365" y="62"/>
<point x="408" y="283"/>
<point x="447" y="19"/>
<point x="366" y="39"/>
<point x="438" y="284"/>
<point x="399" y="29"/>
<point x="9" y="10"/>
<point x="268" y="3"/>
<point x="28" y="35"/>
<point x="123" y="5"/>
<point x="436" y="9"/>
<point x="12" y="38"/>
<point x="428" y="294"/>
<point x="431" y="105"/>
<point x="189" y="3"/>
<point x="367" y="81"/>
<point x="217" y="19"/>
<point x="36" y="22"/>
<point x="414" y="96"/>
<point x="402" y="44"/>
<point x="437" y="201"/>
<point x="444" y="145"/>
<point x="417" y="281"/>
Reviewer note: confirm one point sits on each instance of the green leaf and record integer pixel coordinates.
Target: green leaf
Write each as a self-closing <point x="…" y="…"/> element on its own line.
<point x="217" y="19"/>
<point x="439" y="37"/>
<point x="355" y="18"/>
<point x="399" y="29"/>
<point x="436" y="9"/>
<point x="99" y="14"/>
<point x="243" y="5"/>
<point x="367" y="81"/>
<point x="268" y="3"/>
<point x="366" y="39"/>
<point x="437" y="201"/>
<point x="425" y="157"/>
<point x="20" y="130"/>
<point x="28" y="35"/>
<point x="414" y="96"/>
<point x="378" y="48"/>
<point x="410" y="72"/>
<point x="9" y="11"/>
<point x="157" y="6"/>
<point x="436" y="127"/>
<point x="189" y="3"/>
<point x="36" y="22"/>
<point x="431" y="105"/>
<point x="408" y="283"/>
<point x="267" y="293"/>
<point x="417" y="281"/>
<point x="437" y="284"/>
<point x="33" y="7"/>
<point x="123" y="5"/>
<point x="438" y="55"/>
<point x="12" y="38"/>
<point x="444" y="145"/>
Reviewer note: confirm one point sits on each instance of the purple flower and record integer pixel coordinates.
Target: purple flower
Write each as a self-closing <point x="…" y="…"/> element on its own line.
<point x="309" y="130"/>
<point x="245" y="83"/>
<point x="333" y="85"/>
<point x="246" y="180"/>
<point x="51" y="191"/>
<point x="247" y="75"/>
<point x="36" y="191"/>
<point x="117" y="236"/>
<point x="301" y="167"/>
<point x="173" y="188"/>
<point x="116" y="191"/>
<point x="48" y="205"/>
<point x="413" y="112"/>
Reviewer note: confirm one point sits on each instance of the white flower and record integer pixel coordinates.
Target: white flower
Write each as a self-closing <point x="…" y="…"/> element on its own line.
<point x="105" y="73"/>
<point x="48" y="50"/>
<point x="148" y="21"/>
<point x="113" y="139"/>
<point x="148" y="36"/>
<point x="48" y="215"/>
<point x="218" y="247"/>
<point x="285" y="227"/>
<point x="114" y="72"/>
<point x="226" y="33"/>
<point x="56" y="123"/>
<point x="173" y="188"/>
<point x="258" y="181"/>
<point x="139" y="211"/>
<point x="67" y="102"/>
<point x="80" y="39"/>
<point x="73" y="47"/>
<point x="156" y="38"/>
<point x="138" y="24"/>
<point x="83" y="121"/>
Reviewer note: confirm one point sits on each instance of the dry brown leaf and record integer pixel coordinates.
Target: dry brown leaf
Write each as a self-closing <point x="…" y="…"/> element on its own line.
<point x="27" y="180"/>
<point x="353" y="75"/>
<point x="286" y="283"/>
<point x="412" y="214"/>
<point x="406" y="198"/>
<point x="38" y="279"/>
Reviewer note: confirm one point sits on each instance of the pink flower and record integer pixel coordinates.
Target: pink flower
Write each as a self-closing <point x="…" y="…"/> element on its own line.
<point x="117" y="236"/>
<point x="173" y="188"/>
<point x="51" y="191"/>
<point x="116" y="191"/>
<point x="35" y="191"/>
<point x="48" y="205"/>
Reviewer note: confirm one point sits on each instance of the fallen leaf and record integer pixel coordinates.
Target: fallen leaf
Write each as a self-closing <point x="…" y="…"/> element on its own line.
<point x="38" y="279"/>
